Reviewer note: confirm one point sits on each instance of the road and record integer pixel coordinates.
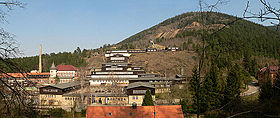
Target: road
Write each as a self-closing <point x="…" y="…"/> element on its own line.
<point x="252" y="89"/>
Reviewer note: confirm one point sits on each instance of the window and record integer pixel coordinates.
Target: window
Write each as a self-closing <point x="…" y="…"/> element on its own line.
<point x="110" y="114"/>
<point x="155" y="113"/>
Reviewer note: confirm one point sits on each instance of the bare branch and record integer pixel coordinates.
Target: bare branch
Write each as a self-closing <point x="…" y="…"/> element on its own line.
<point x="267" y="12"/>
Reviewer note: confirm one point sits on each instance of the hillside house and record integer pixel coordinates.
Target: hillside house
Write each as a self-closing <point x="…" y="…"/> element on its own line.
<point x="267" y="73"/>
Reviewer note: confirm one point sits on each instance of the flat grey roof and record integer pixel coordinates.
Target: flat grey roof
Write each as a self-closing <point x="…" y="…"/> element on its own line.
<point x="139" y="84"/>
<point x="111" y="63"/>
<point x="156" y="78"/>
<point x="66" y="85"/>
<point x="94" y="94"/>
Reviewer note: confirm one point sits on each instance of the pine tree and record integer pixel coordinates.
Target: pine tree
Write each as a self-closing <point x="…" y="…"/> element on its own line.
<point x="253" y="67"/>
<point x="266" y="91"/>
<point x="247" y="61"/>
<point x="233" y="84"/>
<point x="148" y="100"/>
<point x="195" y="90"/>
<point x="211" y="90"/>
<point x="185" y="46"/>
<point x="277" y="85"/>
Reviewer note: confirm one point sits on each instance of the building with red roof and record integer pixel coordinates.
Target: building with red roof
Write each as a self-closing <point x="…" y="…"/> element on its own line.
<point x="20" y="78"/>
<point x="66" y="68"/>
<point x="164" y="111"/>
<point x="65" y="73"/>
<point x="268" y="73"/>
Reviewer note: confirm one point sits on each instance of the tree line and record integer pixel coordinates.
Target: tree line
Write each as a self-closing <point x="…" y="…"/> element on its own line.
<point x="75" y="58"/>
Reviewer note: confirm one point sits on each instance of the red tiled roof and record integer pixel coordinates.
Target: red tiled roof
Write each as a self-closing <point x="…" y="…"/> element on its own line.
<point x="66" y="68"/>
<point x="22" y="75"/>
<point x="165" y="111"/>
<point x="44" y="73"/>
<point x="275" y="68"/>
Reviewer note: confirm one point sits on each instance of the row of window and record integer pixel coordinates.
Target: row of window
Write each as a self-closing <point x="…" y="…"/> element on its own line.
<point x="38" y="80"/>
<point x="51" y="96"/>
<point x="135" y="97"/>
<point x="67" y="98"/>
<point x="64" y="81"/>
<point x="120" y="99"/>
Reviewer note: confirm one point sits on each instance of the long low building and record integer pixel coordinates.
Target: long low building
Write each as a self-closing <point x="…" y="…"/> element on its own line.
<point x="56" y="96"/>
<point x="107" y="95"/>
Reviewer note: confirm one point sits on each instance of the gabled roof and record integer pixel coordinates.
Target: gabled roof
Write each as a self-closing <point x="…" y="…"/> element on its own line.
<point x="164" y="111"/>
<point x="66" y="68"/>
<point x="139" y="84"/>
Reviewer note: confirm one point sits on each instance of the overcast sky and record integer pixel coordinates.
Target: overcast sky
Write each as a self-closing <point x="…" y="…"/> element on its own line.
<point x="64" y="25"/>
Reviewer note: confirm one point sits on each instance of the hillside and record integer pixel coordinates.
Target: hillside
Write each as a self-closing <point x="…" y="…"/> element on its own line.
<point x="163" y="63"/>
<point x="273" y="27"/>
<point x="166" y="63"/>
<point x="185" y="30"/>
<point x="230" y="40"/>
<point x="168" y="32"/>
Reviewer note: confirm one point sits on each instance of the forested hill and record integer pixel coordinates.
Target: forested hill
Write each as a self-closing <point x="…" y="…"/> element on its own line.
<point x="274" y="27"/>
<point x="184" y="31"/>
<point x="27" y="64"/>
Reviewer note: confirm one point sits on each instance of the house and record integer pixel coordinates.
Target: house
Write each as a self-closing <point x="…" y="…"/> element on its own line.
<point x="55" y="96"/>
<point x="266" y="73"/>
<point x="65" y="73"/>
<point x="151" y="50"/>
<point x="137" y="90"/>
<point x="164" y="111"/>
<point x="161" y="84"/>
<point x="119" y="95"/>
<point x="26" y="79"/>
<point x="137" y="51"/>
<point x="172" y="49"/>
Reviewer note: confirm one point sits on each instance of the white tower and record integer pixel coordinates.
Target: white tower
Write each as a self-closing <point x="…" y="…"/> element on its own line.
<point x="53" y="70"/>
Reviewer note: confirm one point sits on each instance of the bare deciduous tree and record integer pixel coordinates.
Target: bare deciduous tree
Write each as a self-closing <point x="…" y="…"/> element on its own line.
<point x="267" y="12"/>
<point x="15" y="101"/>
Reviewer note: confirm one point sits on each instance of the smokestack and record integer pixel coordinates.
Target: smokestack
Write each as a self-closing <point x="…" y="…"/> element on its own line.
<point x="40" y="59"/>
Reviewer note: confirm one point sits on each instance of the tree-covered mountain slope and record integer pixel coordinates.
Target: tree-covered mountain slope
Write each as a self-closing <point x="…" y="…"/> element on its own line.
<point x="185" y="31"/>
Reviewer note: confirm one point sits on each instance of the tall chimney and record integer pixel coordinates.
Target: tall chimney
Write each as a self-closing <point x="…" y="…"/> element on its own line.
<point x="40" y="59"/>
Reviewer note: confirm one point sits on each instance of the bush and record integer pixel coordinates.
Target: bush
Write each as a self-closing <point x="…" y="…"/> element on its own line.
<point x="57" y="112"/>
<point x="84" y="112"/>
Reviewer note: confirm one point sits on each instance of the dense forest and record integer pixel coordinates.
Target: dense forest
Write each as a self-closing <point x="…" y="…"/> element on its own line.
<point x="26" y="64"/>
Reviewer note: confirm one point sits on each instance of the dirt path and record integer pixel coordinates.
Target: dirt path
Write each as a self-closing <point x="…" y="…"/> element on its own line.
<point x="252" y="89"/>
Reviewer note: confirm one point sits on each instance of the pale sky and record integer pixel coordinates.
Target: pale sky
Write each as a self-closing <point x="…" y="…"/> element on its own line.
<point x="63" y="25"/>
